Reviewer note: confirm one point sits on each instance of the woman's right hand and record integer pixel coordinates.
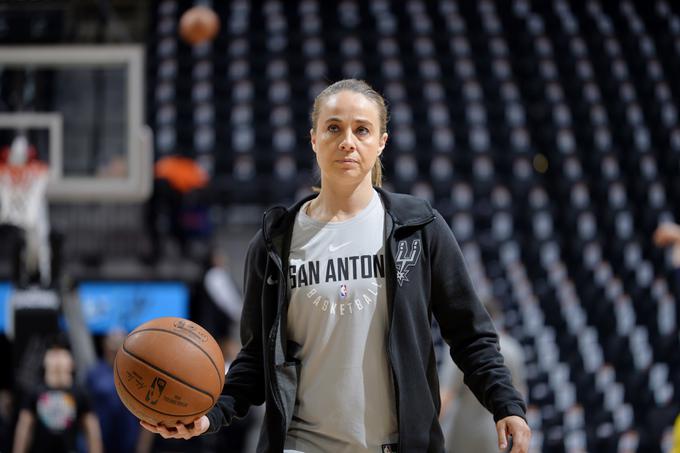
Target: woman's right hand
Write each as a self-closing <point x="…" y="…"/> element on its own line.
<point x="179" y="431"/>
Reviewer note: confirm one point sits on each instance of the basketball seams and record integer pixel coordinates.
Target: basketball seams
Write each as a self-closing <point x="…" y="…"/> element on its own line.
<point x="144" y="405"/>
<point x="170" y="375"/>
<point x="220" y="375"/>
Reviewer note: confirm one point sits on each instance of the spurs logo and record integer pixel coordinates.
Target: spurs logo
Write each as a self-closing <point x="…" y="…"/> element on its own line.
<point x="406" y="259"/>
<point x="154" y="393"/>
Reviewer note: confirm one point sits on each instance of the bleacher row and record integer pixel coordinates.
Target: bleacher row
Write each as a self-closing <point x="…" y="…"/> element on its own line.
<point x="546" y="131"/>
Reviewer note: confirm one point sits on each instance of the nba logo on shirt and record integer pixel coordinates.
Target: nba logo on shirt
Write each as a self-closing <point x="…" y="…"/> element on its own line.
<point x="343" y="291"/>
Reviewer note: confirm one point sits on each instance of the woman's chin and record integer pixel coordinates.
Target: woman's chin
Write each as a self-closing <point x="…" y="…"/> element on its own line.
<point x="348" y="176"/>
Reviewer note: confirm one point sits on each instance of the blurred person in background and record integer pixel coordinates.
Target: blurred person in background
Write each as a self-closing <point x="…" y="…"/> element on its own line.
<point x="53" y="413"/>
<point x="176" y="179"/>
<point x="468" y="427"/>
<point x="6" y="399"/>
<point x="667" y="235"/>
<point x="220" y="302"/>
<point x="119" y="427"/>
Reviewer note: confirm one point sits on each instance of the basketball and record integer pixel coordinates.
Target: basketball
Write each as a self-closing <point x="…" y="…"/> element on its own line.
<point x="198" y="25"/>
<point x="169" y="370"/>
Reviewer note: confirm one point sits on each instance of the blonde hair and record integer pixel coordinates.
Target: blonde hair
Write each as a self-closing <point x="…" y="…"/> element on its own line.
<point x="361" y="87"/>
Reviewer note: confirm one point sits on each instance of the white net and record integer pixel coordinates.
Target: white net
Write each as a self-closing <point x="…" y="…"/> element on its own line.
<point x="23" y="203"/>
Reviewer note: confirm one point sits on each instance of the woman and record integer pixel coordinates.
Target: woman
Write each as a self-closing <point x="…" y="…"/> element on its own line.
<point x="339" y="294"/>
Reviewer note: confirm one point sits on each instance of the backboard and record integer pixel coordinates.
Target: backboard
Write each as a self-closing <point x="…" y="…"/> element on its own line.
<point x="82" y="110"/>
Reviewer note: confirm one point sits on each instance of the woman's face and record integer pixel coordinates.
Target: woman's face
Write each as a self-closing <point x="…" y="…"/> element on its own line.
<point x="347" y="140"/>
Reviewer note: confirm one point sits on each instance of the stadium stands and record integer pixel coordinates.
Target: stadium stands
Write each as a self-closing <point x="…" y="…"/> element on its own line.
<point x="547" y="132"/>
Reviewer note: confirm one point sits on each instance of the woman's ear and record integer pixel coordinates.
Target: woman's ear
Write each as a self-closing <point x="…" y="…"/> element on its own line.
<point x="312" y="139"/>
<point x="383" y="142"/>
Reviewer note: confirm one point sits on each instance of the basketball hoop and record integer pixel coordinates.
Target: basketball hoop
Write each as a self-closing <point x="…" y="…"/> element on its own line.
<point x="22" y="194"/>
<point x="23" y="204"/>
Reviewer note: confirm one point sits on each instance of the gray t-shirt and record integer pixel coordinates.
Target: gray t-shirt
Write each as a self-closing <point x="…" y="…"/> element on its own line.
<point x="338" y="314"/>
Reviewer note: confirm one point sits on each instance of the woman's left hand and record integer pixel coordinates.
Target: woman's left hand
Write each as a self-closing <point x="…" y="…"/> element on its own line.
<point x="519" y="430"/>
<point x="179" y="431"/>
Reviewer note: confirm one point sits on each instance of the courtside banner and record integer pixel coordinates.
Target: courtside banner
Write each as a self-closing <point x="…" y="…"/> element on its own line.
<point x="5" y="293"/>
<point x="126" y="305"/>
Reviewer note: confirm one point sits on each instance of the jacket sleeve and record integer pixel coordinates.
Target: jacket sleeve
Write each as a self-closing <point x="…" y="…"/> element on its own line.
<point x="467" y="328"/>
<point x="244" y="384"/>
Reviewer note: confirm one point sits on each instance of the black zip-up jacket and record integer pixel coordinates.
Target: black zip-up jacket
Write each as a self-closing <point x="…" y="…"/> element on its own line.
<point x="425" y="276"/>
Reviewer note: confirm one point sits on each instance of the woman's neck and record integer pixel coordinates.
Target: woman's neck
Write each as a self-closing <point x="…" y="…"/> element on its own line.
<point x="335" y="204"/>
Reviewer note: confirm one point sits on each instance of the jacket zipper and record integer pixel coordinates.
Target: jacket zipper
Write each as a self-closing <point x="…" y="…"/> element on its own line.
<point x="272" y="339"/>
<point x="281" y="305"/>
<point x="390" y="298"/>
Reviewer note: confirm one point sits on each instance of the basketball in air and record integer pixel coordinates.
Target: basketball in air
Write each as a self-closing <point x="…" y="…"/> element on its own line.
<point x="169" y="370"/>
<point x="198" y="25"/>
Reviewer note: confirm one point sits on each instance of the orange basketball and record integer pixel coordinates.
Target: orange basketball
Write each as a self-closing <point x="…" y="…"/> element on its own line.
<point x="169" y="370"/>
<point x="198" y="25"/>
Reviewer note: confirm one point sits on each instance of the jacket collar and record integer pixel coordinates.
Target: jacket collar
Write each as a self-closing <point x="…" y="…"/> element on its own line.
<point x="278" y="219"/>
<point x="405" y="210"/>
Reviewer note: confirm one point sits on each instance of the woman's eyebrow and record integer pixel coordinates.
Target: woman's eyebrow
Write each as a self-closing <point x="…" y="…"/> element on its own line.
<point x="355" y="120"/>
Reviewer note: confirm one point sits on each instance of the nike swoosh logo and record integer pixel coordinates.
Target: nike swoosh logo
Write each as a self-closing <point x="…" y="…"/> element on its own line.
<point x="271" y="281"/>
<point x="334" y="248"/>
